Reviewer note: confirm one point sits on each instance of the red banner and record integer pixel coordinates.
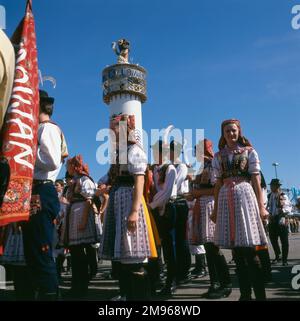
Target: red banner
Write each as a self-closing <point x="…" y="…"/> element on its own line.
<point x="19" y="142"/>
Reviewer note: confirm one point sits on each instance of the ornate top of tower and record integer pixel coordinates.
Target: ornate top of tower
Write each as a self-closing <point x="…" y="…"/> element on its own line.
<point x="122" y="51"/>
<point x="123" y="77"/>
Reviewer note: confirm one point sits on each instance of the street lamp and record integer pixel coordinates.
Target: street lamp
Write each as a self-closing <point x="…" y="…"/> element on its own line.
<point x="275" y="165"/>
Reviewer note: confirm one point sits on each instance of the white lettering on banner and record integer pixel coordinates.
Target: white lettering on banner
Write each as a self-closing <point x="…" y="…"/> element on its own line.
<point x="25" y="130"/>
<point x="23" y="89"/>
<point x="25" y="77"/>
<point x="22" y="128"/>
<point x="18" y="158"/>
<point x="22" y="113"/>
<point x="22" y="55"/>
<point x="23" y="100"/>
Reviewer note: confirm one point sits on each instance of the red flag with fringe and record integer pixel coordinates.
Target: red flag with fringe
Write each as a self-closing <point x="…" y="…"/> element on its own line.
<point x="19" y="133"/>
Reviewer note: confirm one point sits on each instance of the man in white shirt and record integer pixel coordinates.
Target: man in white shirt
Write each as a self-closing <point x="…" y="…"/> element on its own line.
<point x="164" y="213"/>
<point x="182" y="211"/>
<point x="279" y="206"/>
<point x="38" y="231"/>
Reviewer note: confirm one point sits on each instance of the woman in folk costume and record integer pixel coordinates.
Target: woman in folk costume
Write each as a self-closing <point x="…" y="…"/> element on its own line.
<point x="127" y="232"/>
<point x="81" y="226"/>
<point x="13" y="258"/>
<point x="204" y="227"/>
<point x="239" y="207"/>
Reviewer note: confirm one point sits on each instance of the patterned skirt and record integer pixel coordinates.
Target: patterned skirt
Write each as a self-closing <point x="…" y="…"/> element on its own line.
<point x="72" y="235"/>
<point x="203" y="227"/>
<point x="238" y="218"/>
<point x="14" y="248"/>
<point x="117" y="242"/>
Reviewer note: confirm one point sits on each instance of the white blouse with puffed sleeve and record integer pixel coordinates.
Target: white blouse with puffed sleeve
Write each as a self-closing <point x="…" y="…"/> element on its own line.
<point x="137" y="160"/>
<point x="88" y="187"/>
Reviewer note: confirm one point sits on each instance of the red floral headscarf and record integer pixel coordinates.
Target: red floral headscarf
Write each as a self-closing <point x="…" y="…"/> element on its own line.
<point x="241" y="140"/>
<point x="79" y="167"/>
<point x="207" y="150"/>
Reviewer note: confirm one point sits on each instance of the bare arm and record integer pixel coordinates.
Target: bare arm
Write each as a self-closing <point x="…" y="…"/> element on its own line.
<point x="217" y="188"/>
<point x="255" y="180"/>
<point x="136" y="203"/>
<point x="103" y="205"/>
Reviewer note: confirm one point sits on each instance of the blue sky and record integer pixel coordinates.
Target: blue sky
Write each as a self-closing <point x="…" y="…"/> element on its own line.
<point x="206" y="60"/>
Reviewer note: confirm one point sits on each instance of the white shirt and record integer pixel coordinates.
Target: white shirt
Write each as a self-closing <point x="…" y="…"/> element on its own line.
<point x="253" y="163"/>
<point x="165" y="191"/>
<point x="136" y="164"/>
<point x="181" y="181"/>
<point x="7" y="72"/>
<point x="88" y="187"/>
<point x="48" y="159"/>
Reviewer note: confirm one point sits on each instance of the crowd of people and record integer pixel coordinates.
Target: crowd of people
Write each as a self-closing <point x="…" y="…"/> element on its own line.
<point x="142" y="217"/>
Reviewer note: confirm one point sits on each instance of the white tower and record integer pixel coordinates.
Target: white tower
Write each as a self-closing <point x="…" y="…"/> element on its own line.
<point x="124" y="87"/>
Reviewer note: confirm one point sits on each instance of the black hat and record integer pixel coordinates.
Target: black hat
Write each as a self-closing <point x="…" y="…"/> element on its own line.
<point x="44" y="97"/>
<point x="275" y="181"/>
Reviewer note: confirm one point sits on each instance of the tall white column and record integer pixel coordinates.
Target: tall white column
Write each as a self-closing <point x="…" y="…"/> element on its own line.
<point x="124" y="91"/>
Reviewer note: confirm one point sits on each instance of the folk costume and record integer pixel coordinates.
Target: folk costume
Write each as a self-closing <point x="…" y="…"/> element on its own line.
<point x="204" y="229"/>
<point x="81" y="226"/>
<point x="164" y="211"/>
<point x="131" y="249"/>
<point x="183" y="255"/>
<point x="38" y="231"/>
<point x="238" y="224"/>
<point x="279" y="207"/>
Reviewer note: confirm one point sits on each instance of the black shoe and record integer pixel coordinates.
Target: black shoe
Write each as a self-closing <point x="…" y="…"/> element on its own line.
<point x="216" y="292"/>
<point x="196" y="273"/>
<point x="167" y="290"/>
<point x="226" y="291"/>
<point x="186" y="279"/>
<point x="215" y="295"/>
<point x="276" y="260"/>
<point x="285" y="263"/>
<point x="213" y="289"/>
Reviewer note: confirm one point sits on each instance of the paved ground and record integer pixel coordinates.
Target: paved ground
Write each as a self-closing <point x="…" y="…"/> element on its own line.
<point x="279" y="289"/>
